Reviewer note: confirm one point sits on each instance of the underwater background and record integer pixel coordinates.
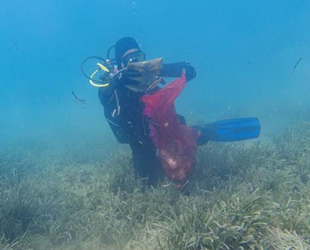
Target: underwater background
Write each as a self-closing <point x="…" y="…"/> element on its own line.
<point x="65" y="183"/>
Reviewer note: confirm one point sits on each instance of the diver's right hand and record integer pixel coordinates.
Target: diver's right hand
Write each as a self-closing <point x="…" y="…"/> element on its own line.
<point x="131" y="74"/>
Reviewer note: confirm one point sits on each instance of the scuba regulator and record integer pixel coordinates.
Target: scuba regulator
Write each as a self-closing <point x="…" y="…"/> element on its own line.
<point x="105" y="68"/>
<point x="141" y="75"/>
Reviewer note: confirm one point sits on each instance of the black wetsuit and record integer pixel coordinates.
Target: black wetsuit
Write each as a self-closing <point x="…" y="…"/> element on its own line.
<point x="124" y="113"/>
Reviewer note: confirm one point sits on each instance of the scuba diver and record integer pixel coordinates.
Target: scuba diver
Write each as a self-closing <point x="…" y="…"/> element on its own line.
<point x="130" y="126"/>
<point x="124" y="110"/>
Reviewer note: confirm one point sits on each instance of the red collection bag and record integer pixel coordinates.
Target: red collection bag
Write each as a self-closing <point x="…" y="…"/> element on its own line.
<point x="176" y="143"/>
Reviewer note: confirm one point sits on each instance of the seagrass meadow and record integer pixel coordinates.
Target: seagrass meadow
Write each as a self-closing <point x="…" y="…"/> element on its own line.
<point x="250" y="195"/>
<point x="65" y="181"/>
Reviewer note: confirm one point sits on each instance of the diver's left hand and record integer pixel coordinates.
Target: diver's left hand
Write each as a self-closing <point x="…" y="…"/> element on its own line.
<point x="190" y="72"/>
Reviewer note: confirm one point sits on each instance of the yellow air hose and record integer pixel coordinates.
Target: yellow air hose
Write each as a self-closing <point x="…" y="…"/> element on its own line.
<point x="102" y="67"/>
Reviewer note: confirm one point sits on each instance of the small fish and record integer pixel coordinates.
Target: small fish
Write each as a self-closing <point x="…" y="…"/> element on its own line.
<point x="78" y="99"/>
<point x="14" y="44"/>
<point x="296" y="64"/>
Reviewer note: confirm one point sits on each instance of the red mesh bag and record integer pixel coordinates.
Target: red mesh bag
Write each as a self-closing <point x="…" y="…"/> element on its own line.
<point x="176" y="143"/>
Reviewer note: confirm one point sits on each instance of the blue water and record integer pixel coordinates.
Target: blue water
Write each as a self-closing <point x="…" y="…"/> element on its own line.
<point x="243" y="51"/>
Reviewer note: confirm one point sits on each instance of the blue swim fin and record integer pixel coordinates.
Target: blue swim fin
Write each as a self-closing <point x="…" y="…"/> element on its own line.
<point x="230" y="130"/>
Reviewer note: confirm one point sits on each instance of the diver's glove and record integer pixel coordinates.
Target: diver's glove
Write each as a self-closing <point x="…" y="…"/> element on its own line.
<point x="190" y="72"/>
<point x="131" y="74"/>
<point x="176" y="69"/>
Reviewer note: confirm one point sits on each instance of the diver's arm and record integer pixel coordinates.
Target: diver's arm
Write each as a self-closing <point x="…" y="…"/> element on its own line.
<point x="105" y="94"/>
<point x="109" y="101"/>
<point x="175" y="70"/>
